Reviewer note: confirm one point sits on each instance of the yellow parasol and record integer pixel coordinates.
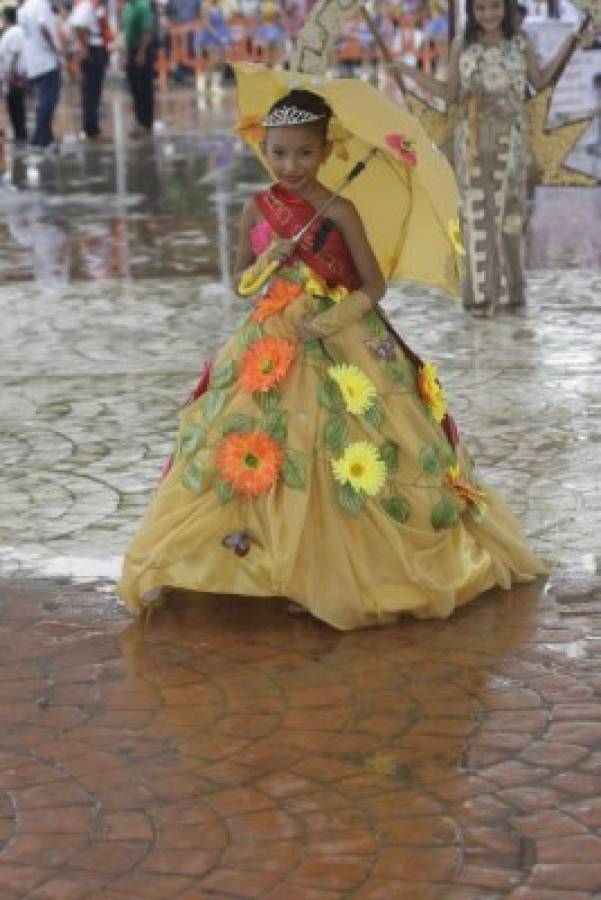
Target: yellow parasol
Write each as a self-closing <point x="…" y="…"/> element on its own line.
<point x="406" y="196"/>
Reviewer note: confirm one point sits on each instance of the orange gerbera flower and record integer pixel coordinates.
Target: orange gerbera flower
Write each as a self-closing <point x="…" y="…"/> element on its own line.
<point x="280" y="294"/>
<point x="249" y="462"/>
<point x="265" y="363"/>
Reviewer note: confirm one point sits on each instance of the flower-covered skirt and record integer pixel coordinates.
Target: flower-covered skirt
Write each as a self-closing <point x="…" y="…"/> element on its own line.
<point x="328" y="472"/>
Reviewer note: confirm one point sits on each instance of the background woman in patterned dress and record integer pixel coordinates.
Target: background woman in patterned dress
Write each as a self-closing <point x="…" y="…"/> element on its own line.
<point x="490" y="66"/>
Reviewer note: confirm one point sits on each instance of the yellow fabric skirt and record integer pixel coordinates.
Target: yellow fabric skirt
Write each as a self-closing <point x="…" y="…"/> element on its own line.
<point x="400" y="527"/>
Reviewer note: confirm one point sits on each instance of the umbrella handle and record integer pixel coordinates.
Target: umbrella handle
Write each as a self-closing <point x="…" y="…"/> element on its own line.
<point x="356" y="170"/>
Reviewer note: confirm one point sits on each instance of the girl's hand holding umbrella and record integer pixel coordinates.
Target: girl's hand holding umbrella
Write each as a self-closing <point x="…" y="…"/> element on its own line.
<point x="280" y="250"/>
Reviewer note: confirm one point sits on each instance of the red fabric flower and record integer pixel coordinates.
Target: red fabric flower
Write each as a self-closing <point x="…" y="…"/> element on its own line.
<point x="402" y="147"/>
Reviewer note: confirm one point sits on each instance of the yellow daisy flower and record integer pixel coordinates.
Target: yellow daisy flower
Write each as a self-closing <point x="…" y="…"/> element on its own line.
<point x="317" y="287"/>
<point x="362" y="467"/>
<point x="356" y="388"/>
<point x="431" y="392"/>
<point x="336" y="294"/>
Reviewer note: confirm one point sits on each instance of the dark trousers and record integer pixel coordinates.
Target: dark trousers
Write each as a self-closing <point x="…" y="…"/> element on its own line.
<point x="15" y="104"/>
<point x="47" y="88"/>
<point x="141" y="83"/>
<point x="93" y="67"/>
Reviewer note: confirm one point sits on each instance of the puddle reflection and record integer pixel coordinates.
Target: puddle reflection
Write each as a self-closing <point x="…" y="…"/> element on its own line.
<point x="165" y="207"/>
<point x="170" y="206"/>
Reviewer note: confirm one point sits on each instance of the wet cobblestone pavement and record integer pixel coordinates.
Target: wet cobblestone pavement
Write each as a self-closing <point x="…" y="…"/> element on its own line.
<point x="229" y="750"/>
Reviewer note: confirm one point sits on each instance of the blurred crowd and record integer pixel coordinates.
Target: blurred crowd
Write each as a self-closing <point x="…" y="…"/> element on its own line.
<point x="169" y="42"/>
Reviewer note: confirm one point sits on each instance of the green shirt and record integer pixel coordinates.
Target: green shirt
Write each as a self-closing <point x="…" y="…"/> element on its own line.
<point x="137" y="18"/>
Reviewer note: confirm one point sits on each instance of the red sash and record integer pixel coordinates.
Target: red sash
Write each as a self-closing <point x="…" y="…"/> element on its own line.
<point x="287" y="213"/>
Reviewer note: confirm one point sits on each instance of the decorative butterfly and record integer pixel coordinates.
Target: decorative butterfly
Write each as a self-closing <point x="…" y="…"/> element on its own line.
<point x="383" y="349"/>
<point x="238" y="541"/>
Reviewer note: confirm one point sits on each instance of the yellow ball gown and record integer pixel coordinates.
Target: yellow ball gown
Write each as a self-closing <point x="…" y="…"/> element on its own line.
<point x="328" y="472"/>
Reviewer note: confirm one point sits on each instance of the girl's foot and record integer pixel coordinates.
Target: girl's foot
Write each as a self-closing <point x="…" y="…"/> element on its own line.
<point x="152" y="600"/>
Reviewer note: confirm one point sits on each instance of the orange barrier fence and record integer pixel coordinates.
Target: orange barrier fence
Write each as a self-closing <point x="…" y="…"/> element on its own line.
<point x="180" y="47"/>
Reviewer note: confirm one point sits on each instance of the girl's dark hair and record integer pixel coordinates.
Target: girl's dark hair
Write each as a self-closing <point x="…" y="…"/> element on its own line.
<point x="472" y="29"/>
<point x="308" y="102"/>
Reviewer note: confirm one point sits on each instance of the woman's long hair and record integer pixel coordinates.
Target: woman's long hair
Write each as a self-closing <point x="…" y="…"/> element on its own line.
<point x="472" y="29"/>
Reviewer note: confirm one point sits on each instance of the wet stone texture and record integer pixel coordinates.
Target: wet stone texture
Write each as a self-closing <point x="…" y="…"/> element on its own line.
<point x="228" y="749"/>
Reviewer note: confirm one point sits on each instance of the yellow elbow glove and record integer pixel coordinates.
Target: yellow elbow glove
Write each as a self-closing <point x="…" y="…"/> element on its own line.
<point x="256" y="276"/>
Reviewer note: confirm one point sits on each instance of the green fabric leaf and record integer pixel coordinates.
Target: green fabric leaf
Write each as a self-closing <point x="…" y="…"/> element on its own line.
<point x="224" y="491"/>
<point x="291" y="274"/>
<point x="238" y="424"/>
<point x="398" y="508"/>
<point x="214" y="402"/>
<point x="390" y="454"/>
<point x="223" y="375"/>
<point x="193" y="438"/>
<point x="335" y="434"/>
<point x="394" y="371"/>
<point x="294" y="470"/>
<point x="249" y="333"/>
<point x="448" y="454"/>
<point x="374" y="416"/>
<point x="428" y="459"/>
<point x="267" y="400"/>
<point x="444" y="514"/>
<point x="330" y="396"/>
<point x="276" y="424"/>
<point x="324" y="304"/>
<point x="352" y="501"/>
<point x="376" y="326"/>
<point x="314" y="347"/>
<point x="193" y="477"/>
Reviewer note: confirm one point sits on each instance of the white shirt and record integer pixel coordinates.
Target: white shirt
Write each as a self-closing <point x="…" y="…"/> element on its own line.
<point x="12" y="45"/>
<point x="84" y="16"/>
<point x="40" y="58"/>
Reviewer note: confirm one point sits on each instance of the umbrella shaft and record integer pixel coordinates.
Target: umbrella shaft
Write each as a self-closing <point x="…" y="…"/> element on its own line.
<point x="356" y="170"/>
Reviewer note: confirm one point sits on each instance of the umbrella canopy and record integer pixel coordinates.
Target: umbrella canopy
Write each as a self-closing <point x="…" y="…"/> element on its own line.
<point x="406" y="196"/>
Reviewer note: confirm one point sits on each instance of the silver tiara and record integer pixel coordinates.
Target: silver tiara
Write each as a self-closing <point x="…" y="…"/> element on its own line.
<point x="290" y="115"/>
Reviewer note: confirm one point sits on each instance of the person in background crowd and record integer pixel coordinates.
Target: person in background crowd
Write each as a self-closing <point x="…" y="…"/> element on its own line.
<point x="489" y="67"/>
<point x="93" y="59"/>
<point x="14" y="74"/>
<point x="270" y="37"/>
<point x="213" y="40"/>
<point x="182" y="12"/>
<point x="66" y="39"/>
<point x="42" y="63"/>
<point x="138" y="27"/>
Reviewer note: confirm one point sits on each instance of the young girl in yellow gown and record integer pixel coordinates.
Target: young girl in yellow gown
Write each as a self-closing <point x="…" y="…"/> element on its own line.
<point x="318" y="461"/>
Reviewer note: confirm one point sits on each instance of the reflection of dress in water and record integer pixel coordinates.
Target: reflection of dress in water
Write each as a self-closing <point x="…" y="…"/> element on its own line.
<point x="324" y="471"/>
<point x="48" y="241"/>
<point x="491" y="166"/>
